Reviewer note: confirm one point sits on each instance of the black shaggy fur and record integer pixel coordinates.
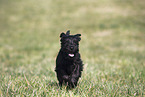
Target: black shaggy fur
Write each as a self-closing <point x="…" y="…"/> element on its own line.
<point x="68" y="63"/>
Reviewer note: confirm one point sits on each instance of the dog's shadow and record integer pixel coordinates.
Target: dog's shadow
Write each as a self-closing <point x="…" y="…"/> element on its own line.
<point x="56" y="85"/>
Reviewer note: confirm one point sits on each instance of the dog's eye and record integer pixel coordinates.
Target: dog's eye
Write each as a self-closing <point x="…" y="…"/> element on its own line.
<point x="66" y="40"/>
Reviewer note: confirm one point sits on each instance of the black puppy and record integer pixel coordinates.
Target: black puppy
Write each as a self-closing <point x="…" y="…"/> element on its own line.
<point x="68" y="63"/>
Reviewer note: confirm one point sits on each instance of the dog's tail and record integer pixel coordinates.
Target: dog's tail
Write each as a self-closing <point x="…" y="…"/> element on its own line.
<point x="68" y="32"/>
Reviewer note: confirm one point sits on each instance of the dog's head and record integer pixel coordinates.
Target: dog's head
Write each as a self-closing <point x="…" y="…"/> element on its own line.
<point x="70" y="43"/>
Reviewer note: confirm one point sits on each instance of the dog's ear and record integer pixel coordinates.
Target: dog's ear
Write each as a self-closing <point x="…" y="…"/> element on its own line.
<point x="62" y="35"/>
<point x="68" y="32"/>
<point x="78" y="36"/>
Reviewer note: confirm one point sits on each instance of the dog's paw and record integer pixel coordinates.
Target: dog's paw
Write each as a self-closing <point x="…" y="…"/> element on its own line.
<point x="66" y="77"/>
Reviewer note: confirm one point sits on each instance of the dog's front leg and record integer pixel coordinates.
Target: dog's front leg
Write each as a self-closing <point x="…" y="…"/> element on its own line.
<point x="74" y="77"/>
<point x="73" y="81"/>
<point x="62" y="76"/>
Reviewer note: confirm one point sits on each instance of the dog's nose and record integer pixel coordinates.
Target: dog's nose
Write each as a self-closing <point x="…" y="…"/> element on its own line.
<point x="71" y="47"/>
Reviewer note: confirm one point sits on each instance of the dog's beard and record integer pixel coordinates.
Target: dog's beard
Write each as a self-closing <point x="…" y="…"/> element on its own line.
<point x="69" y="54"/>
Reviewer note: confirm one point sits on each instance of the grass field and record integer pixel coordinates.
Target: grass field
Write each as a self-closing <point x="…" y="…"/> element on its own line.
<point x="112" y="46"/>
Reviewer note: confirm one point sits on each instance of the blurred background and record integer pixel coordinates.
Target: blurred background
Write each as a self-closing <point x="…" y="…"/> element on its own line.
<point x="112" y="46"/>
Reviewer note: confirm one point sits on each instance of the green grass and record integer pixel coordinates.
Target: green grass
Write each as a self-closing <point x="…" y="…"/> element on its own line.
<point x="112" y="46"/>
